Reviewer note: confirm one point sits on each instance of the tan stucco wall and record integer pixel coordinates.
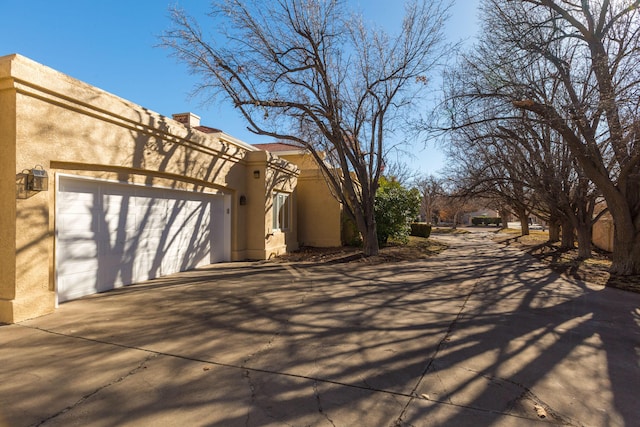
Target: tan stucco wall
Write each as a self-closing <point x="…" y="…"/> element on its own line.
<point x="273" y="174"/>
<point x="7" y="188"/>
<point x="319" y="213"/>
<point x="70" y="127"/>
<point x="603" y="232"/>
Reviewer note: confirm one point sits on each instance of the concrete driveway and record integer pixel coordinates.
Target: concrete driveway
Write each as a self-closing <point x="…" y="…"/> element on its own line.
<point x="479" y="336"/>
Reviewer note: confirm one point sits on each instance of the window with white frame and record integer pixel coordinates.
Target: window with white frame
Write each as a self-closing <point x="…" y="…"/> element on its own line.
<point x="281" y="211"/>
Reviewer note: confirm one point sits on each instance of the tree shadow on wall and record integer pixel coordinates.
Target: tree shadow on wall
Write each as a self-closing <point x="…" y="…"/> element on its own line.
<point x="166" y="234"/>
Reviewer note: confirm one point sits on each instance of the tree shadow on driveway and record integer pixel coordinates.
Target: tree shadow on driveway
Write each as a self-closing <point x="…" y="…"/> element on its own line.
<point x="479" y="335"/>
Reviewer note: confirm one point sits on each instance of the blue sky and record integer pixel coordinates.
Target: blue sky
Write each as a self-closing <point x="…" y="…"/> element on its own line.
<point x="111" y="44"/>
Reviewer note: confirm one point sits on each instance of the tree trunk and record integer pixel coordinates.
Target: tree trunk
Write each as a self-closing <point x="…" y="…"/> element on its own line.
<point x="626" y="253"/>
<point x="554" y="225"/>
<point x="504" y="217"/>
<point x="554" y="231"/>
<point x="370" y="246"/>
<point x="625" y="212"/>
<point x="584" y="232"/>
<point x="523" y="216"/>
<point x="568" y="238"/>
<point x="428" y="209"/>
<point x="366" y="225"/>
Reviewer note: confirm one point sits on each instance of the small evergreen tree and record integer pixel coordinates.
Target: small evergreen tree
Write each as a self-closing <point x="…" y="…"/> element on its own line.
<point x="395" y="208"/>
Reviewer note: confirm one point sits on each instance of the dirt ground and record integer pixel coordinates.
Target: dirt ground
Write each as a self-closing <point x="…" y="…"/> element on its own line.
<point x="416" y="248"/>
<point x="594" y="270"/>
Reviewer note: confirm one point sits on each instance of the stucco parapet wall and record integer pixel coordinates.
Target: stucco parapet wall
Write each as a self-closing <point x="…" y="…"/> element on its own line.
<point x="272" y="161"/>
<point x="33" y="79"/>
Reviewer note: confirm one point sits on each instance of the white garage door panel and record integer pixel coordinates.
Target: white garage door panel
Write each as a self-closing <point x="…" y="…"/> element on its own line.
<point x="75" y="285"/>
<point x="80" y="265"/>
<point x="81" y="255"/>
<point x="80" y="195"/>
<point x="110" y="235"/>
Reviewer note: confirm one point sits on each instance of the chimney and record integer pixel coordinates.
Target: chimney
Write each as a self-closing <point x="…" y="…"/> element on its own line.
<point x="187" y="119"/>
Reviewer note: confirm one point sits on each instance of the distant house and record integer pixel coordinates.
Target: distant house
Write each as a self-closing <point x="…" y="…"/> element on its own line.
<point x="467" y="217"/>
<point x="603" y="233"/>
<point x="108" y="193"/>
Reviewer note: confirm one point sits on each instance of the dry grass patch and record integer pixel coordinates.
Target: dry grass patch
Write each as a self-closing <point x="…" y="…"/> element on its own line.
<point x="566" y="261"/>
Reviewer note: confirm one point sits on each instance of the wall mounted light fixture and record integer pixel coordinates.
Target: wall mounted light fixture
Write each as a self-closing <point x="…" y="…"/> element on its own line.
<point x="256" y="174"/>
<point x="37" y="179"/>
<point x="243" y="200"/>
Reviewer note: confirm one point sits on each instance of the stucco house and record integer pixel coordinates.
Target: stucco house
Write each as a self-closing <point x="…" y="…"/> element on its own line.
<point x="319" y="215"/>
<point x="108" y="193"/>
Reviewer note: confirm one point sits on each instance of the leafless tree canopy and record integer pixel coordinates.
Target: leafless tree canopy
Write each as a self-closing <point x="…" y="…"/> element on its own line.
<point x="568" y="70"/>
<point x="431" y="190"/>
<point x="312" y="73"/>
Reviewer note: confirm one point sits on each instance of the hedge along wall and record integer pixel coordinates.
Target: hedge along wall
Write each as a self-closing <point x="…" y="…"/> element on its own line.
<point x="420" y="229"/>
<point x="484" y="220"/>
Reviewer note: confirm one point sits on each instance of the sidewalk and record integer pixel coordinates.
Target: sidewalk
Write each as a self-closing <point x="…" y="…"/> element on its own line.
<point x="479" y="336"/>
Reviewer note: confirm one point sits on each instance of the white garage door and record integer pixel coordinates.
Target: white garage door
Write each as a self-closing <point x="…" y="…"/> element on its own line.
<point x="110" y="235"/>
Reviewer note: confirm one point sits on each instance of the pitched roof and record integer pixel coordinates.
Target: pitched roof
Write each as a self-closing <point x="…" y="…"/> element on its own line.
<point x="207" y="129"/>
<point x="279" y="146"/>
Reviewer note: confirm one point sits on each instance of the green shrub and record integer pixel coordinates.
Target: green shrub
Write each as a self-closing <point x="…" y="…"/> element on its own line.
<point x="420" y="229"/>
<point x="395" y="206"/>
<point x="485" y="220"/>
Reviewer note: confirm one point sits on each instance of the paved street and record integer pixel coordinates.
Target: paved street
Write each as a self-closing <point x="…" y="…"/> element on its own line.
<point x="480" y="335"/>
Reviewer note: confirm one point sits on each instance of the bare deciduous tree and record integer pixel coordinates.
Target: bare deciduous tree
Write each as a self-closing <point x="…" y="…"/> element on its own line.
<point x="309" y="72"/>
<point x="569" y="67"/>
<point x="593" y="49"/>
<point x="482" y="161"/>
<point x="431" y="188"/>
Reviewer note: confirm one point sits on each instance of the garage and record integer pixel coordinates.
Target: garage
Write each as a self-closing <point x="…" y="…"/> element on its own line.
<point x="111" y="234"/>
